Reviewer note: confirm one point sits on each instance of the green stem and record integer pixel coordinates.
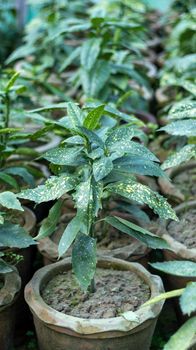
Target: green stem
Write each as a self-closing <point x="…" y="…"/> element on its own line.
<point x="6" y="124"/>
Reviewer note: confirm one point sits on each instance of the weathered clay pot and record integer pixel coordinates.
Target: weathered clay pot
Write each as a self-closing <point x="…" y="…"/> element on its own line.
<point x="134" y="251"/>
<point x="169" y="189"/>
<point x="60" y="331"/>
<point x="8" y="296"/>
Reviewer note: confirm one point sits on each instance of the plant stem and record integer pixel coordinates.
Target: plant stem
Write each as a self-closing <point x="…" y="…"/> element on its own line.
<point x="6" y="123"/>
<point x="92" y="288"/>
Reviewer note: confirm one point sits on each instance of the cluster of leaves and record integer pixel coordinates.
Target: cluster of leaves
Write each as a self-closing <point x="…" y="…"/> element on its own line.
<point x="93" y="162"/>
<point x="178" y="75"/>
<point x="100" y="51"/>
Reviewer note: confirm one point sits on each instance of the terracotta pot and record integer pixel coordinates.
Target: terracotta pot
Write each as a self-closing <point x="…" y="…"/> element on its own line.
<point x="134" y="251"/>
<point x="8" y="296"/>
<point x="60" y="331"/>
<point x="169" y="189"/>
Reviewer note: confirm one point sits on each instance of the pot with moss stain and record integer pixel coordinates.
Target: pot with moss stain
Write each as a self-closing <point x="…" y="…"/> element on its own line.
<point x="127" y="248"/>
<point x="56" y="330"/>
<point x="180" y="249"/>
<point x="183" y="186"/>
<point x="10" y="287"/>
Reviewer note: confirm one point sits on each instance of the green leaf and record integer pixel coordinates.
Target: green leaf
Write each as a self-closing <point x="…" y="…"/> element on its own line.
<point x="183" y="338"/>
<point x="92" y="119"/>
<point x="137" y="232"/>
<point x="91" y="136"/>
<point x="181" y="128"/>
<point x="11" y="81"/>
<point x="84" y="259"/>
<point x="70" y="59"/>
<point x="118" y="138"/>
<point x="90" y="52"/>
<point x="139" y="166"/>
<point x="94" y="80"/>
<point x="74" y="114"/>
<point x="4" y="267"/>
<point x="63" y="155"/>
<point x="188" y="299"/>
<point x="69" y="234"/>
<point x="9" y="180"/>
<point x="123" y="116"/>
<point x="102" y="167"/>
<point x="21" y="172"/>
<point x="53" y="189"/>
<point x="183" y="155"/>
<point x="14" y="236"/>
<point x="182" y="268"/>
<point x="183" y="110"/>
<point x="49" y="224"/>
<point x="135" y="149"/>
<point x="56" y="106"/>
<point x="143" y="194"/>
<point x="9" y="200"/>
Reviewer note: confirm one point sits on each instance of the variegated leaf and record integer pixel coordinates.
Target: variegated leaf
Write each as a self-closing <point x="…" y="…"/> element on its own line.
<point x="9" y="200"/>
<point x="53" y="189"/>
<point x="64" y="155"/>
<point x="188" y="299"/>
<point x="183" y="155"/>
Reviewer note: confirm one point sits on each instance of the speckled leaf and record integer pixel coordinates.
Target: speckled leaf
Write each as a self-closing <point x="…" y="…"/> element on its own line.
<point x="90" y="52"/>
<point x="92" y="119"/>
<point x="4" y="267"/>
<point x="69" y="234"/>
<point x="63" y="155"/>
<point x="94" y="80"/>
<point x="102" y="167"/>
<point x="14" y="236"/>
<point x="118" y="138"/>
<point x="10" y="201"/>
<point x="53" y="189"/>
<point x="84" y="203"/>
<point x="143" y="194"/>
<point x="49" y="224"/>
<point x="182" y="268"/>
<point x="84" y="259"/>
<point x="74" y="114"/>
<point x="187" y="85"/>
<point x="183" y="338"/>
<point x="183" y="110"/>
<point x="181" y="127"/>
<point x="137" y="232"/>
<point x="188" y="299"/>
<point x="140" y="166"/>
<point x="183" y="155"/>
<point x="91" y="136"/>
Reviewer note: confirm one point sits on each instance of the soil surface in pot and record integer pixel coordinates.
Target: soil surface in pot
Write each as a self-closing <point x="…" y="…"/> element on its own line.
<point x="186" y="182"/>
<point x="184" y="231"/>
<point x="116" y="292"/>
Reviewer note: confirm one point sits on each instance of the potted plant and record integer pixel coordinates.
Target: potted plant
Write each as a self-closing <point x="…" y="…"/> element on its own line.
<point x="90" y="165"/>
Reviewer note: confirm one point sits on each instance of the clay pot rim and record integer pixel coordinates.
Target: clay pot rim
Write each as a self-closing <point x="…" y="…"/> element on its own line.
<point x="82" y="326"/>
<point x="179" y="248"/>
<point x="10" y="289"/>
<point x="49" y="249"/>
